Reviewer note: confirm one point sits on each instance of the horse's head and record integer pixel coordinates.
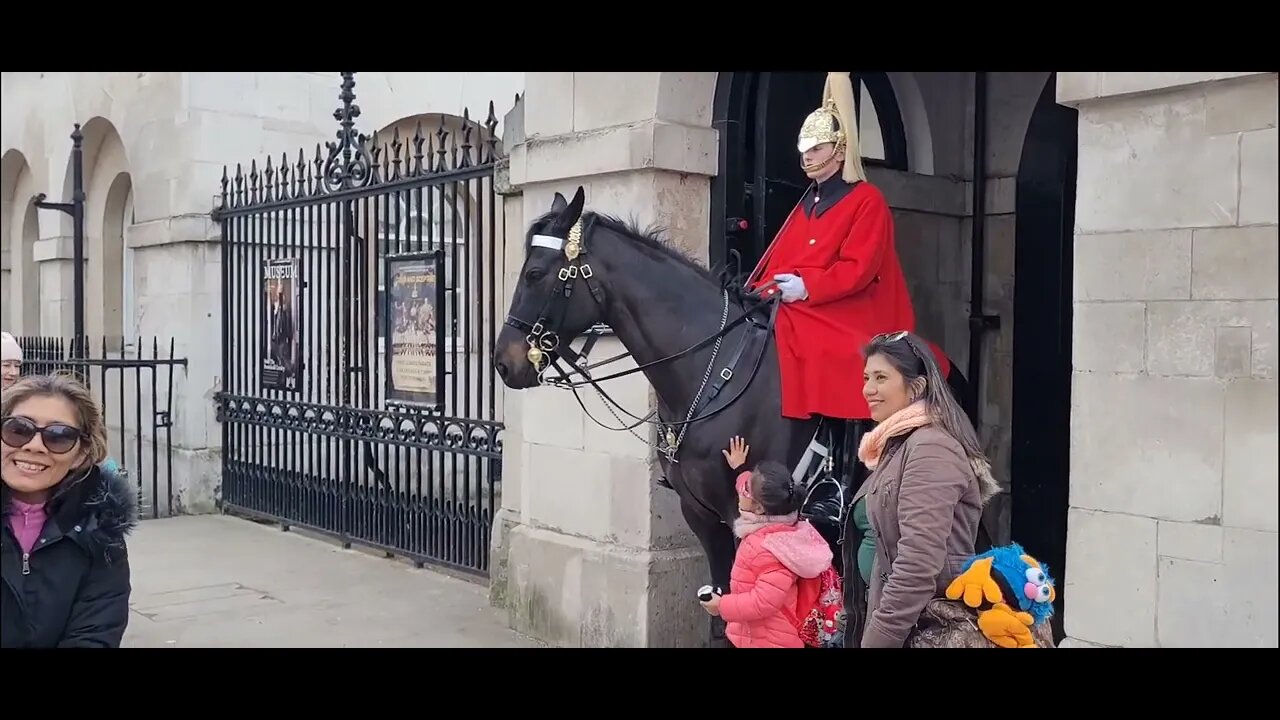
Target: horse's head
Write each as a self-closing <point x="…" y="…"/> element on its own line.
<point x="541" y="319"/>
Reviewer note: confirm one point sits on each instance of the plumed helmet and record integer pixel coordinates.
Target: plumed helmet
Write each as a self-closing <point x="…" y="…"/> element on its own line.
<point x="835" y="122"/>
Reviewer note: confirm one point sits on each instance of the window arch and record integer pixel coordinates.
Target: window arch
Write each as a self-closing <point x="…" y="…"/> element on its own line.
<point x="881" y="133"/>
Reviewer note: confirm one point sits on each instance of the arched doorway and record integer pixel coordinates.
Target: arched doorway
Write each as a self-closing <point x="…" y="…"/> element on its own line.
<point x="1045" y="230"/>
<point x="759" y="180"/>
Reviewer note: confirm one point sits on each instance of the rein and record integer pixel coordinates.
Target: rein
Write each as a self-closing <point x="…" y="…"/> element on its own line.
<point x="544" y="340"/>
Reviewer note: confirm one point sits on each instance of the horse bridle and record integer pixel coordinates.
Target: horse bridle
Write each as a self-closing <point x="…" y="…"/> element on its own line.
<point x="543" y="338"/>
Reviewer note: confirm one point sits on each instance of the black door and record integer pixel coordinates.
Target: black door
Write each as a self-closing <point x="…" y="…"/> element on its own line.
<point x="1045" y="227"/>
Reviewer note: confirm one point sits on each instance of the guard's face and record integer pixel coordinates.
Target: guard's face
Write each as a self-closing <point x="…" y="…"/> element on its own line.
<point x="822" y="161"/>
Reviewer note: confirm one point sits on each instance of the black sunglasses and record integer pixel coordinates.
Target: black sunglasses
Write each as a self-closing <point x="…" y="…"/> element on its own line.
<point x="58" y="438"/>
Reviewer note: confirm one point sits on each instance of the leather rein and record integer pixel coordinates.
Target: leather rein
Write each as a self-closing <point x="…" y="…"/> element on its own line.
<point x="544" y="341"/>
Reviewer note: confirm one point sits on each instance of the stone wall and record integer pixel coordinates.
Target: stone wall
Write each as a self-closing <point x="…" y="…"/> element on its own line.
<point x="1173" y="521"/>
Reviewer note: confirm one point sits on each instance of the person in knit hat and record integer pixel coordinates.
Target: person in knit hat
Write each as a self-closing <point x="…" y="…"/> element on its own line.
<point x="12" y="356"/>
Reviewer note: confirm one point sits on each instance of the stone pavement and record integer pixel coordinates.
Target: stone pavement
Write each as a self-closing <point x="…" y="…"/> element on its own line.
<point x="220" y="581"/>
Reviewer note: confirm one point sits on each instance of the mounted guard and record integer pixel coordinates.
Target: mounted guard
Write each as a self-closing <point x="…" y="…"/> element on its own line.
<point x="836" y="268"/>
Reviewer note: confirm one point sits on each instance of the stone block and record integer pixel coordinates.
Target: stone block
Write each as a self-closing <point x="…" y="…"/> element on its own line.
<point x="1121" y="83"/>
<point x="1133" y="449"/>
<point x="549" y="104"/>
<point x="1000" y="254"/>
<point x="1190" y="541"/>
<point x="1233" y="351"/>
<point x="1245" y="104"/>
<point x="572" y="592"/>
<point x="1250" y="472"/>
<point x="553" y="418"/>
<point x="686" y="97"/>
<point x="1258" y="182"/>
<point x="286" y="96"/>
<point x="1149" y="265"/>
<point x="605" y="99"/>
<point x="1150" y="164"/>
<point x="1231" y="604"/>
<point x="230" y="93"/>
<point x="1109" y="337"/>
<point x="1182" y="336"/>
<point x="1076" y="86"/>
<point x="568" y="491"/>
<point x="1236" y="263"/>
<point x="1111" y="563"/>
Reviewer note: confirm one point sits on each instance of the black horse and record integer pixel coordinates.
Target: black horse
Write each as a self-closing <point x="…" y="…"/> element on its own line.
<point x="660" y="304"/>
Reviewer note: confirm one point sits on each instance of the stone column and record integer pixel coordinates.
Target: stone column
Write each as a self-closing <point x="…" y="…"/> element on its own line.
<point x="1173" y="520"/>
<point x="55" y="262"/>
<point x="590" y="551"/>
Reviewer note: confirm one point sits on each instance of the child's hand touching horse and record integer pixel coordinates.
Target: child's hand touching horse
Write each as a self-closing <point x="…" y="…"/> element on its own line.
<point x="736" y="455"/>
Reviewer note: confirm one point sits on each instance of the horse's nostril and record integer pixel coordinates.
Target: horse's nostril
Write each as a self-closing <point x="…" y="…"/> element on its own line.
<point x="501" y="367"/>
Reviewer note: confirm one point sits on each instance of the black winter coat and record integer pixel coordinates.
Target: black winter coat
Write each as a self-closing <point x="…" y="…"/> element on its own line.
<point x="73" y="588"/>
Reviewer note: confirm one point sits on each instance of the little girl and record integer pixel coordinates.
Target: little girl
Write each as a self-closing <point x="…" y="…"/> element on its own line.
<point x="777" y="549"/>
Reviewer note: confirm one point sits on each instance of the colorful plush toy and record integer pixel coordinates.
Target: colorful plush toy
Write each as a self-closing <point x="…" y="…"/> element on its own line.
<point x="1011" y="591"/>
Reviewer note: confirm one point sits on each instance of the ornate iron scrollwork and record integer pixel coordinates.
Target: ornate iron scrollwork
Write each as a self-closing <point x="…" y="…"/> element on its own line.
<point x="349" y="164"/>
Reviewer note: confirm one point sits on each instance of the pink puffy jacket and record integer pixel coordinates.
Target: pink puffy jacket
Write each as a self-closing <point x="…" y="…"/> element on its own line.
<point x="760" y="609"/>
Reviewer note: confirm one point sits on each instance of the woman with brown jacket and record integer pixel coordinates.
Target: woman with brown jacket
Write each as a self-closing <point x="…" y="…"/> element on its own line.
<point x="914" y="521"/>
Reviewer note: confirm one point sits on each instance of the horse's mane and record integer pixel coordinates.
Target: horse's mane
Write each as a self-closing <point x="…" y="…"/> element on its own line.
<point x="653" y="237"/>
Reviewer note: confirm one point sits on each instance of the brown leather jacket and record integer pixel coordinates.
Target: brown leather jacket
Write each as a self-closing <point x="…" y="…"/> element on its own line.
<point x="924" y="503"/>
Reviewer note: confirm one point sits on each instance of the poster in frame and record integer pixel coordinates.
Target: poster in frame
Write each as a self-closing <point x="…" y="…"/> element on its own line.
<point x="414" y="329"/>
<point x="281" y="348"/>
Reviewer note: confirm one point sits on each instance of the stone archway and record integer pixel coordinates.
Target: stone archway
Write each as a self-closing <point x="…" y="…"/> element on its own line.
<point x="107" y="184"/>
<point x="19" y="232"/>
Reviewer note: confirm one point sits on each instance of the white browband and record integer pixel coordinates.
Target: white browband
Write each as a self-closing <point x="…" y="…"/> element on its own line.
<point x="548" y="241"/>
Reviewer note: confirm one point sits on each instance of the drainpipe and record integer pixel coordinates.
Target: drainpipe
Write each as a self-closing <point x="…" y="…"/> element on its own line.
<point x="979" y="322"/>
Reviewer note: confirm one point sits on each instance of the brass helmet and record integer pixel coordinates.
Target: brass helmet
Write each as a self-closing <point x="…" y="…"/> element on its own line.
<point x="835" y="122"/>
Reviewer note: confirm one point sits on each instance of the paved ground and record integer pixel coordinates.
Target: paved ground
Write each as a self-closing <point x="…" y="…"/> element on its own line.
<point x="219" y="581"/>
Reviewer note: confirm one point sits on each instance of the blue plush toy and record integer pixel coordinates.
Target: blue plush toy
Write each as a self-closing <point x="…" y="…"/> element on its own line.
<point x="1011" y="591"/>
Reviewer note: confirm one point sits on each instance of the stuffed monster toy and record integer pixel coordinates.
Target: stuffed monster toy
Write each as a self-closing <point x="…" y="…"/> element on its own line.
<point x="1010" y="590"/>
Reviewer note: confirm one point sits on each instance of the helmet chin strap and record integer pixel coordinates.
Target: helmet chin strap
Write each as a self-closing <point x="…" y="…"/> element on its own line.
<point x="818" y="166"/>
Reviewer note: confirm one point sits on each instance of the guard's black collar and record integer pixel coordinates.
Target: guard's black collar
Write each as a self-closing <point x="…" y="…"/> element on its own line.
<point x="821" y="197"/>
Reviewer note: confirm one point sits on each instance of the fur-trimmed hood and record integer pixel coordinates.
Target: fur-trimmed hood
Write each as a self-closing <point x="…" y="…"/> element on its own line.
<point x="794" y="542"/>
<point x="99" y="509"/>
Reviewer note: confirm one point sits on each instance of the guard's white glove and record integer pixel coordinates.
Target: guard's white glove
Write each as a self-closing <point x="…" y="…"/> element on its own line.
<point x="791" y="287"/>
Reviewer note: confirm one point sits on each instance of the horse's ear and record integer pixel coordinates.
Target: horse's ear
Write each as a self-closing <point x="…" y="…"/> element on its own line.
<point x="574" y="211"/>
<point x="558" y="203"/>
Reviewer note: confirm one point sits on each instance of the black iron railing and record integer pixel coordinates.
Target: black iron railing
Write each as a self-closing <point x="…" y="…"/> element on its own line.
<point x="133" y="383"/>
<point x="360" y="299"/>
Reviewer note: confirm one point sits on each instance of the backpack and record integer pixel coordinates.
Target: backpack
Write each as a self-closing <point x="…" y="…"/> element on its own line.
<point x="820" y="610"/>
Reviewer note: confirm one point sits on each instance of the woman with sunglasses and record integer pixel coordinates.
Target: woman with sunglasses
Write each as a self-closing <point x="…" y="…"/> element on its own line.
<point x="914" y="521"/>
<point x="62" y="544"/>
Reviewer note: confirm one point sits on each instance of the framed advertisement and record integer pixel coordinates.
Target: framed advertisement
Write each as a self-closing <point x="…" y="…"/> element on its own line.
<point x="414" y="329"/>
<point x="281" y="348"/>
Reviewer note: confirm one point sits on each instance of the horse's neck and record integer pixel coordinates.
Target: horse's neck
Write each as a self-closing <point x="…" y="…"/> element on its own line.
<point x="659" y="307"/>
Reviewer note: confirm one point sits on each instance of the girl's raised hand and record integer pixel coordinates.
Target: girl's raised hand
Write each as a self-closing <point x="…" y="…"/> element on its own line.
<point x="736" y="455"/>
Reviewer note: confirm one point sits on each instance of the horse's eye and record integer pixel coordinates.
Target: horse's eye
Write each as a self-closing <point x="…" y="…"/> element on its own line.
<point x="534" y="275"/>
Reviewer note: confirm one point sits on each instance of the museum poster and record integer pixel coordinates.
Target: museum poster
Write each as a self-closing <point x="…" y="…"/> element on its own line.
<point x="282" y="347"/>
<point x="414" y="328"/>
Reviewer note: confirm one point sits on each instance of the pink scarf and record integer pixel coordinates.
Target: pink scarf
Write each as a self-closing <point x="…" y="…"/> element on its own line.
<point x="908" y="418"/>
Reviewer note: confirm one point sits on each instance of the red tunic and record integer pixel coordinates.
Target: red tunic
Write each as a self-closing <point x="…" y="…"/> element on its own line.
<point x="845" y="253"/>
